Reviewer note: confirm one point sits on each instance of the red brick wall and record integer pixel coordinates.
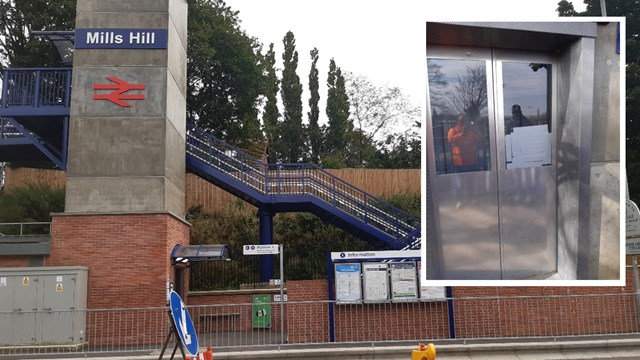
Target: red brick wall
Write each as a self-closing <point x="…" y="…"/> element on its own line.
<point x="127" y="255"/>
<point x="128" y="261"/>
<point x="14" y="261"/>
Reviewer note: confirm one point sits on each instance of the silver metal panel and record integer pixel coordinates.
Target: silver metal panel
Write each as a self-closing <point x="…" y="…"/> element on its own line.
<point x="575" y="96"/>
<point x="465" y="204"/>
<point x="527" y="195"/>
<point x="548" y="37"/>
<point x="574" y="28"/>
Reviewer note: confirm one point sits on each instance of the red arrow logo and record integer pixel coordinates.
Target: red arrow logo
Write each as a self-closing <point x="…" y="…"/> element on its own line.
<point x="120" y="87"/>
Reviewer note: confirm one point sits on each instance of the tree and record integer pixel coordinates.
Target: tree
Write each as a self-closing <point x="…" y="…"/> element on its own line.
<point x="225" y="73"/>
<point x="271" y="113"/>
<point x="377" y="112"/>
<point x="18" y="19"/>
<point x="315" y="133"/>
<point x="339" y="126"/>
<point x="469" y="94"/>
<point x="291" y="127"/>
<point x="565" y="8"/>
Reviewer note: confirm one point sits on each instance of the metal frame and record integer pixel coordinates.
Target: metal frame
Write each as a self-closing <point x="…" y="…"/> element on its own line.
<point x="500" y="57"/>
<point x="494" y="58"/>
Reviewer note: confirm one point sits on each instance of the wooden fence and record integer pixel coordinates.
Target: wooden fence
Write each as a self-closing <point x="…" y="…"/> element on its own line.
<point x="377" y="182"/>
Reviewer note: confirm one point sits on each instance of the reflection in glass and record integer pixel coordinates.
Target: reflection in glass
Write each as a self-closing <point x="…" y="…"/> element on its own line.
<point x="525" y="88"/>
<point x="526" y="114"/>
<point x="458" y="99"/>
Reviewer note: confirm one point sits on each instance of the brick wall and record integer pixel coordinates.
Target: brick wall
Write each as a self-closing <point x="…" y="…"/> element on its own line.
<point x="128" y="261"/>
<point x="14" y="261"/>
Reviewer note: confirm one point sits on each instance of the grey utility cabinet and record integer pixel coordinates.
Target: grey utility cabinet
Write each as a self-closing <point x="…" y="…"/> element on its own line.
<point x="43" y="305"/>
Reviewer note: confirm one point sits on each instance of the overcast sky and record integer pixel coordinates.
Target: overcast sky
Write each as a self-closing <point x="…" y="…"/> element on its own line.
<point x="381" y="40"/>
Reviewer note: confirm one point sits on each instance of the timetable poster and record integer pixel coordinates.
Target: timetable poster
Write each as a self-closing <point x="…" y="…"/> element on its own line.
<point x="376" y="281"/>
<point x="404" y="280"/>
<point x="348" y="282"/>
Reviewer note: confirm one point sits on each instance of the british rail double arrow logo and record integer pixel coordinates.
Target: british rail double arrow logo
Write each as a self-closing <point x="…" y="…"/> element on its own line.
<point x="119" y="87"/>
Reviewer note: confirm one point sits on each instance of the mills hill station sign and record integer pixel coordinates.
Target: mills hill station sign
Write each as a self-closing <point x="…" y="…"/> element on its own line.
<point x="121" y="39"/>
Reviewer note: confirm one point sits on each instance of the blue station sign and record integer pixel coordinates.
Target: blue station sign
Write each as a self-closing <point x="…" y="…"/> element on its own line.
<point x="121" y="39"/>
<point x="184" y="324"/>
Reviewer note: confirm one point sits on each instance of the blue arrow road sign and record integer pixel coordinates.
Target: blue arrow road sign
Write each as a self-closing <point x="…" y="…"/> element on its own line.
<point x="182" y="320"/>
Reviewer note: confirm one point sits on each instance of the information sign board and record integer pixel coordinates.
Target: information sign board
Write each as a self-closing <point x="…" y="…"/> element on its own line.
<point x="403" y="280"/>
<point x="376" y="281"/>
<point x="348" y="282"/>
<point x="632" y="228"/>
<point x="270" y="249"/>
<point x="121" y="38"/>
<point x="184" y="325"/>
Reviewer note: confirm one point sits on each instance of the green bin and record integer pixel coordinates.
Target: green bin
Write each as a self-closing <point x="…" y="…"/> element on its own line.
<point x="261" y="318"/>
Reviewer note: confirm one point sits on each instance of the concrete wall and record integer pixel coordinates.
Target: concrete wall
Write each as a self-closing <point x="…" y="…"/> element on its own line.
<point x="129" y="159"/>
<point x="605" y="157"/>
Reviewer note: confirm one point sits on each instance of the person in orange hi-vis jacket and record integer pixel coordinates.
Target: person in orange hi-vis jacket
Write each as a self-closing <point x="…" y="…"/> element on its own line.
<point x="465" y="140"/>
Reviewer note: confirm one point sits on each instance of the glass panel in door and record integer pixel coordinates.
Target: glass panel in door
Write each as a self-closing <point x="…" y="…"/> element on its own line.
<point x="526" y="176"/>
<point x="461" y="141"/>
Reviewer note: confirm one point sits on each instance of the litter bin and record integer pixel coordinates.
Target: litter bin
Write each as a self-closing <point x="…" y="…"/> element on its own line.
<point x="261" y="318"/>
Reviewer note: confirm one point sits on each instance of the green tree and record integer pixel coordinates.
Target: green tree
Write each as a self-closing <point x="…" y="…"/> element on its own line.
<point x="271" y="113"/>
<point x="225" y="73"/>
<point x="315" y="133"/>
<point x="339" y="125"/>
<point x="378" y="112"/>
<point x="630" y="9"/>
<point x="18" y="19"/>
<point x="565" y="8"/>
<point x="292" y="134"/>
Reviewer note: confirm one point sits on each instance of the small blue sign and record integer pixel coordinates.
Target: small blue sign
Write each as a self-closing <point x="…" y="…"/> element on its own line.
<point x="121" y="39"/>
<point x="182" y="320"/>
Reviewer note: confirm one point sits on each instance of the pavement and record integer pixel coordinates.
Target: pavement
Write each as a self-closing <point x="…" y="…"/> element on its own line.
<point x="621" y="349"/>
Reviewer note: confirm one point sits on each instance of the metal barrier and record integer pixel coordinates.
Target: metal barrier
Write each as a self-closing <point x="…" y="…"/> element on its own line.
<point x="25" y="229"/>
<point x="244" y="325"/>
<point x="36" y="87"/>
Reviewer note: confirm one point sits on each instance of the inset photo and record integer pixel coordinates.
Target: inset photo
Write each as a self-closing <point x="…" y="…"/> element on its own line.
<point x="523" y="152"/>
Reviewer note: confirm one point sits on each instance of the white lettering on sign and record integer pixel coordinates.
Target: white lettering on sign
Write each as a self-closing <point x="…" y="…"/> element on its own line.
<point x="261" y="249"/>
<point x="183" y="325"/>
<point x="142" y="38"/>
<point x="632" y="228"/>
<point x="104" y="37"/>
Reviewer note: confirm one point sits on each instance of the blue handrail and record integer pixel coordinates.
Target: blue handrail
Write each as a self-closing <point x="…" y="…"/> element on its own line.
<point x="36" y="87"/>
<point x="300" y="179"/>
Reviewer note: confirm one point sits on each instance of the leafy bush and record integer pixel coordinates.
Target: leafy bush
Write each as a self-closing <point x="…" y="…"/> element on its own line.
<point x="307" y="241"/>
<point x="30" y="202"/>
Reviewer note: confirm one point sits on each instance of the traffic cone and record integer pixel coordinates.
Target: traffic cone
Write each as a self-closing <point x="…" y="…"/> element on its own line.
<point x="208" y="355"/>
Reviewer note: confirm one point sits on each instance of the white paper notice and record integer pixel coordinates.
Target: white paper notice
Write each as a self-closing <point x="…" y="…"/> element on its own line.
<point x="528" y="146"/>
<point x="376" y="281"/>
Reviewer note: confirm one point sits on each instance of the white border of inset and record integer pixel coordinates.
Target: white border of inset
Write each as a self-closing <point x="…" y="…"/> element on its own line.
<point x="623" y="174"/>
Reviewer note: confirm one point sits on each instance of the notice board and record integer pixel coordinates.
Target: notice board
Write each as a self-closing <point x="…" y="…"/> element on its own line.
<point x="404" y="280"/>
<point x="376" y="281"/>
<point x="348" y="282"/>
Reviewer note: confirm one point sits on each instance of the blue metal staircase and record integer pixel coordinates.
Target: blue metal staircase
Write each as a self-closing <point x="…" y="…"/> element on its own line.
<point x="34" y="115"/>
<point x="299" y="187"/>
<point x="34" y="121"/>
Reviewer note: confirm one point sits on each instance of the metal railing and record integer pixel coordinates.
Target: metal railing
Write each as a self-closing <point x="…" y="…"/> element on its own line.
<point x="299" y="180"/>
<point x="25" y="229"/>
<point x="36" y="87"/>
<point x="235" y="326"/>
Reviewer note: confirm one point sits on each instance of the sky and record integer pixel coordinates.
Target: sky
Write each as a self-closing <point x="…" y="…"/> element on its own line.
<point x="381" y="40"/>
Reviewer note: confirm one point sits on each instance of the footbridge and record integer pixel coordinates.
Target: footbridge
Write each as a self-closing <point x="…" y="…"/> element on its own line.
<point x="34" y="123"/>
